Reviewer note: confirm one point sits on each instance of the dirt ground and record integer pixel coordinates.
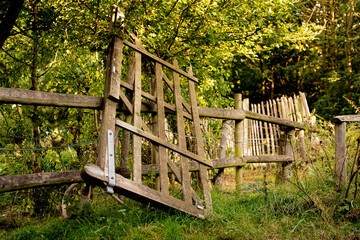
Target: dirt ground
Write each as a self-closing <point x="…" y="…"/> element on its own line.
<point x="250" y="177"/>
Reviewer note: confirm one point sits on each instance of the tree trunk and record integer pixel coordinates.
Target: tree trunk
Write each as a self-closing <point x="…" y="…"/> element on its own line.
<point x="218" y="179"/>
<point x="348" y="44"/>
<point x="9" y="19"/>
<point x="34" y="86"/>
<point x="40" y="196"/>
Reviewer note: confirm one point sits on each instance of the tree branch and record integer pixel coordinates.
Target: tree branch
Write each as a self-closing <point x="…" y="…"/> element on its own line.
<point x="8" y="21"/>
<point x="180" y="22"/>
<point x="14" y="57"/>
<point x="172" y="8"/>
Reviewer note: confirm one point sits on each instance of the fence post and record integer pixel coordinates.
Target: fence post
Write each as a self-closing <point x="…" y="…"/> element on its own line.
<point x="340" y="154"/>
<point x="245" y="127"/>
<point x="285" y="148"/>
<point x="238" y="142"/>
<point x="218" y="179"/>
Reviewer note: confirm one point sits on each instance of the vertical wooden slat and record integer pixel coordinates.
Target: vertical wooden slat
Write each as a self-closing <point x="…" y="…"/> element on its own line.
<point x="245" y="124"/>
<point x="302" y="106"/>
<point x="238" y="143"/>
<point x="278" y="113"/>
<point x="251" y="129"/>
<point x="181" y="137"/>
<point x="296" y="109"/>
<point x="163" y="157"/>
<point x="137" y="117"/>
<point x="305" y="104"/>
<point x="268" y="150"/>
<point x="340" y="154"/>
<point x="155" y="129"/>
<point x="293" y="105"/>
<point x="204" y="178"/>
<point x="253" y="135"/>
<point x="112" y="88"/>
<point x="300" y="114"/>
<point x="125" y="140"/>
<point x="271" y="127"/>
<point x="281" y="107"/>
<point x="284" y="108"/>
<point x="256" y="131"/>
<point x="292" y="108"/>
<point x="288" y="108"/>
<point x="261" y="131"/>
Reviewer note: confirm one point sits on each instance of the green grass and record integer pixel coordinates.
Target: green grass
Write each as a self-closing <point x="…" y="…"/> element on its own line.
<point x="308" y="207"/>
<point x="286" y="214"/>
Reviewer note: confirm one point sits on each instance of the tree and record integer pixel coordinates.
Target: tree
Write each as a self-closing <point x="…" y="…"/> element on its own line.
<point x="9" y="11"/>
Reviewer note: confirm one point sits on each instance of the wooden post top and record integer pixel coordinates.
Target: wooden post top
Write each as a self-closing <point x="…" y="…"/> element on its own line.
<point x="347" y="118"/>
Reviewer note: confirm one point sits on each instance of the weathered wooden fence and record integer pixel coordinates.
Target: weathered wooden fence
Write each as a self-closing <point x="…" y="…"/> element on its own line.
<point x="21" y="96"/>
<point x="128" y="97"/>
<point x="262" y="138"/>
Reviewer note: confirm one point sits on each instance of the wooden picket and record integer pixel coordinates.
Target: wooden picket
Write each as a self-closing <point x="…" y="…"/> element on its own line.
<point x="263" y="137"/>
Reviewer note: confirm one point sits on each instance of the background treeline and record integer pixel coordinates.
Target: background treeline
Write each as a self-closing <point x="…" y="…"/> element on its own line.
<point x="261" y="49"/>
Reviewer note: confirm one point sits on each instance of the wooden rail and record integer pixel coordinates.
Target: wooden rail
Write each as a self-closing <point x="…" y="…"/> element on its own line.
<point x="347" y="118"/>
<point x="159" y="60"/>
<point x="275" y="120"/>
<point x="29" y="97"/>
<point x="18" y="182"/>
<point x="43" y="179"/>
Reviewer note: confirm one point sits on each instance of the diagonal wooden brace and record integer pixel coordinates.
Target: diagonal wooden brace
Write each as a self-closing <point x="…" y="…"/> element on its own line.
<point x="94" y="174"/>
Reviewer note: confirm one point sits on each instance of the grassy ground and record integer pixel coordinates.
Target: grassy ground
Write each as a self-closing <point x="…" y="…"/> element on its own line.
<point x="255" y="212"/>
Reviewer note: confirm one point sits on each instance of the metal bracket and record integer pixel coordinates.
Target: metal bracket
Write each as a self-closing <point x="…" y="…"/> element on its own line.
<point x="111" y="162"/>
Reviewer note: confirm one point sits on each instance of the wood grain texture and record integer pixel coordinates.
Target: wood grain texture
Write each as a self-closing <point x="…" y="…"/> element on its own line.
<point x="340" y="154"/>
<point x="44" y="179"/>
<point x="137" y="118"/>
<point x="30" y="97"/>
<point x="204" y="177"/>
<point x="142" y="193"/>
<point x="162" y="142"/>
<point x="25" y="181"/>
<point x="112" y="81"/>
<point x="163" y="157"/>
<point x="159" y="60"/>
<point x="347" y="118"/>
<point x="185" y="175"/>
<point x="238" y="135"/>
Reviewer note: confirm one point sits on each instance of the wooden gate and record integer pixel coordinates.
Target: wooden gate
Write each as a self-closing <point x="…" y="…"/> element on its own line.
<point x="170" y="92"/>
